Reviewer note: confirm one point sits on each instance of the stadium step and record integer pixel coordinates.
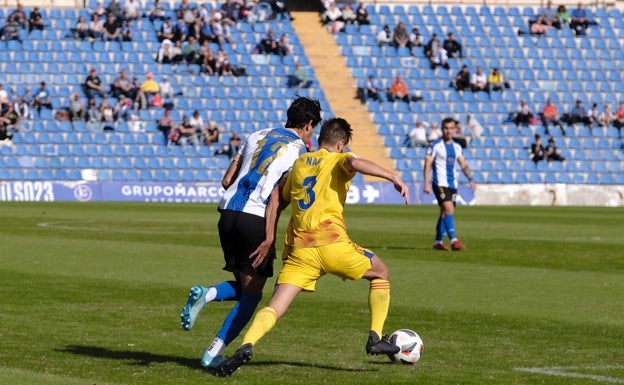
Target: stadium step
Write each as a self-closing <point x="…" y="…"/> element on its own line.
<point x="339" y="87"/>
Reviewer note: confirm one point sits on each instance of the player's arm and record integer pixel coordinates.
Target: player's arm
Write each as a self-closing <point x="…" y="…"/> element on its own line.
<point x="427" y="174"/>
<point x="367" y="167"/>
<point x="232" y="171"/>
<point x="275" y="206"/>
<point x="466" y="170"/>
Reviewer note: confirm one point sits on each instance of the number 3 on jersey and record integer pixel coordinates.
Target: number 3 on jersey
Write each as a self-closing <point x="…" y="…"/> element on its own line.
<point x="308" y="200"/>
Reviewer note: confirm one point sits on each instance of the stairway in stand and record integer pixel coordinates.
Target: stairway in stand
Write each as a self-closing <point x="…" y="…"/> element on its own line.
<point x="339" y="87"/>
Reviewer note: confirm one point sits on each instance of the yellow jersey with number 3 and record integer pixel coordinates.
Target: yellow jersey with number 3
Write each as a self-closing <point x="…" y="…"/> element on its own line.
<point x="317" y="188"/>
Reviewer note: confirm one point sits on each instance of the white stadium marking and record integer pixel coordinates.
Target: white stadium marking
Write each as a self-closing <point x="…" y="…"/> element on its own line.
<point x="576" y="372"/>
<point x="89" y="226"/>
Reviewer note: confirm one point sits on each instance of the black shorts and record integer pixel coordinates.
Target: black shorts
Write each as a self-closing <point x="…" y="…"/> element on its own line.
<point x="240" y="234"/>
<point x="445" y="194"/>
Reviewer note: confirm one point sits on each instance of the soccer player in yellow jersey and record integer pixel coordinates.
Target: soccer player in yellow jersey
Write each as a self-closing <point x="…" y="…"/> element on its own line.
<point x="317" y="242"/>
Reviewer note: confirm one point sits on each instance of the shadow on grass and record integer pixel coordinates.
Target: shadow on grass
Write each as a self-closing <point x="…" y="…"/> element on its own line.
<point x="145" y="358"/>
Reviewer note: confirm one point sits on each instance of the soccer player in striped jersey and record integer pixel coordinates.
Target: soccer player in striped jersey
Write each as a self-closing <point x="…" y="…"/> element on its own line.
<point x="441" y="176"/>
<point x="317" y="242"/>
<point x="249" y="181"/>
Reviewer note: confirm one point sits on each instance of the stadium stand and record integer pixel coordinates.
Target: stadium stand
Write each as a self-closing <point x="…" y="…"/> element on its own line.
<point x="559" y="66"/>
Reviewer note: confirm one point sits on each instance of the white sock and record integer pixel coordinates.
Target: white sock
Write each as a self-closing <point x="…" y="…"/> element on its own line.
<point x="211" y="294"/>
<point x="216" y="347"/>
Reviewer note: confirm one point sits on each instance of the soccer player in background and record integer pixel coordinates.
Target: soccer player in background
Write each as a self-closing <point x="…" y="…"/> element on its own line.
<point x="317" y="242"/>
<point x="249" y="180"/>
<point x="441" y="175"/>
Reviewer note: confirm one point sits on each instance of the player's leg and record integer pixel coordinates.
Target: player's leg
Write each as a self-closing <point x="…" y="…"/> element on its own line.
<point x="250" y="234"/>
<point x="449" y="220"/>
<point x="441" y="232"/>
<point x="264" y="320"/>
<point x="378" y="304"/>
<point x="199" y="296"/>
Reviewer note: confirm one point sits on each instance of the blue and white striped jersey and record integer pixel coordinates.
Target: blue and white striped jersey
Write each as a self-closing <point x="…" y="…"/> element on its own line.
<point x="445" y="155"/>
<point x="266" y="156"/>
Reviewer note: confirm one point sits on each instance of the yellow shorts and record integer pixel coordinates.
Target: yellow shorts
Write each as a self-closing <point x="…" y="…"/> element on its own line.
<point x="302" y="267"/>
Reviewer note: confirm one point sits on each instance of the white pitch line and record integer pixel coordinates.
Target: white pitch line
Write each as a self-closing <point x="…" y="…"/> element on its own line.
<point x="62" y="226"/>
<point x="570" y="371"/>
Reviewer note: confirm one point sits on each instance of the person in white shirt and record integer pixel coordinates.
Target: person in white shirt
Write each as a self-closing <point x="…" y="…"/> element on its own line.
<point x="132" y="10"/>
<point x="384" y="37"/>
<point x="418" y="135"/>
<point x="479" y="81"/>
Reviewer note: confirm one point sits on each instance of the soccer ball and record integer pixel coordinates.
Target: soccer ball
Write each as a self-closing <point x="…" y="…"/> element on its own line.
<point x="411" y="346"/>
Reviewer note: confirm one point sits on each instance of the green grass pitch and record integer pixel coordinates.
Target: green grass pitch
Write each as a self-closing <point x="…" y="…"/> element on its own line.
<point x="91" y="294"/>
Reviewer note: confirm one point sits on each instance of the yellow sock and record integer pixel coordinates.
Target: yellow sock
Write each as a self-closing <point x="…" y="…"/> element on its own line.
<point x="378" y="303"/>
<point x="263" y="321"/>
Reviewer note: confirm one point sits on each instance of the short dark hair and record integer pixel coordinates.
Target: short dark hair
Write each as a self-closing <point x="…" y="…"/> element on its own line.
<point x="335" y="130"/>
<point x="302" y="111"/>
<point x="448" y="120"/>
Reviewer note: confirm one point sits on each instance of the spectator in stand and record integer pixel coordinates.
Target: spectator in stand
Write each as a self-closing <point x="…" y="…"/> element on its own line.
<point x="539" y="26"/>
<point x="77" y="109"/>
<point x="550" y="114"/>
<point x="147" y="90"/>
<point x="166" y="89"/>
<point x="348" y="14"/>
<point x="211" y="133"/>
<point x="578" y="114"/>
<point x="580" y="21"/>
<point x="432" y="46"/>
<point x="523" y="115"/>
<point x="417" y="137"/>
<point x="563" y="15"/>
<point x="197" y="122"/>
<point x="230" y="9"/>
<point x="618" y="122"/>
<point x="439" y="59"/>
<point x="209" y="64"/>
<point x="94" y="116"/>
<point x="552" y="152"/>
<point x="5" y="102"/>
<point x="190" y="50"/>
<point x="122" y="85"/>
<point x="452" y="46"/>
<point x="167" y="30"/>
<point x="550" y="16"/>
<point x="479" y="81"/>
<point x="81" y="29"/>
<point x="434" y="133"/>
<point x="398" y="90"/>
<point x="299" y="78"/>
<point x="384" y="37"/>
<point x="361" y="15"/>
<point x="166" y="124"/>
<point x="42" y="98"/>
<point x="461" y="81"/>
<point x="593" y="114"/>
<point x="5" y="135"/>
<point x="121" y="110"/>
<point x="372" y="89"/>
<point x="93" y="85"/>
<point x="606" y="117"/>
<point x="400" y="36"/>
<point x="99" y="9"/>
<point x="35" y="21"/>
<point x="415" y="39"/>
<point x="157" y="12"/>
<point x="333" y="16"/>
<point x="537" y="150"/>
<point x="10" y="31"/>
<point x="181" y="31"/>
<point x="188" y="134"/>
<point x="96" y="28"/>
<point x="496" y="81"/>
<point x="280" y="9"/>
<point x="166" y="53"/>
<point x="111" y="30"/>
<point x="131" y="10"/>
<point x="108" y="115"/>
<point x="459" y="137"/>
<point x="232" y="147"/>
<point x="22" y="109"/>
<point x="115" y="8"/>
<point x="224" y="67"/>
<point x="18" y="16"/>
<point x="126" y="30"/>
<point x="268" y="45"/>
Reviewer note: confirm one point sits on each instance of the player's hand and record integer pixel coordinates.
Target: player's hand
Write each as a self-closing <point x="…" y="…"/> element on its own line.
<point x="473" y="185"/>
<point x="259" y="255"/>
<point x="427" y="188"/>
<point x="402" y="188"/>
